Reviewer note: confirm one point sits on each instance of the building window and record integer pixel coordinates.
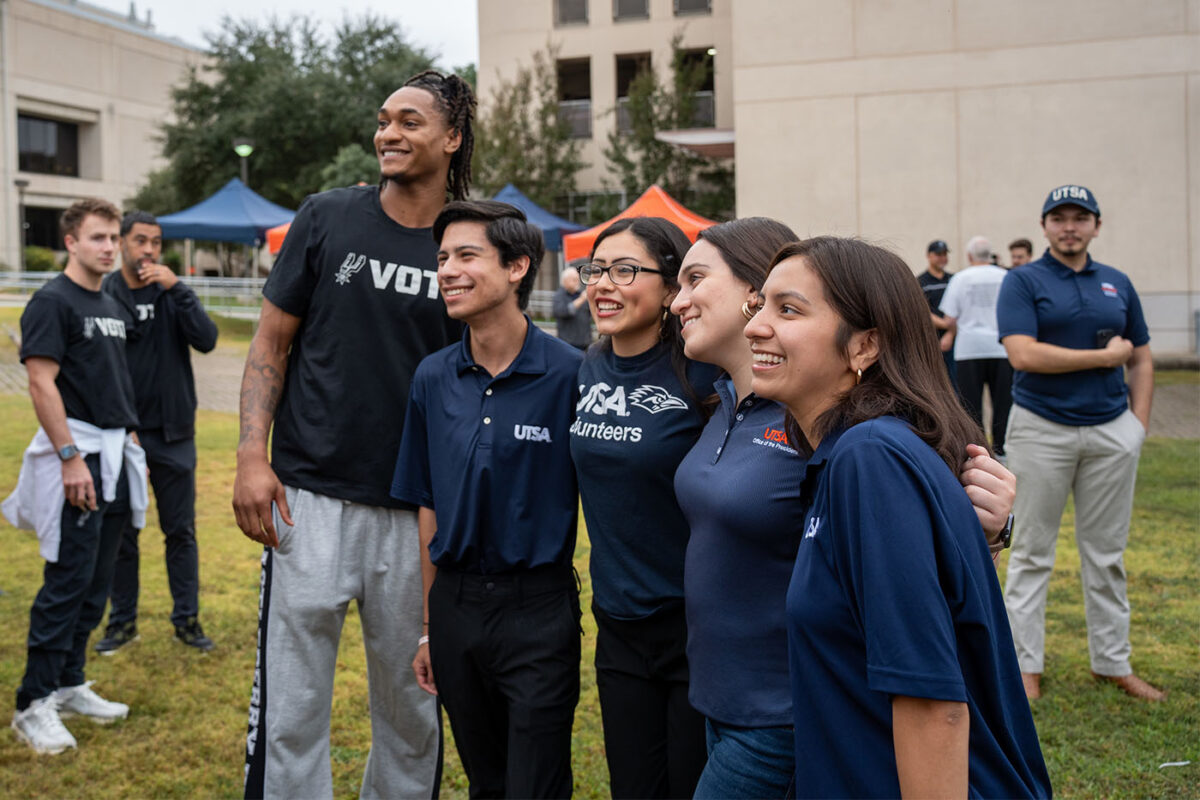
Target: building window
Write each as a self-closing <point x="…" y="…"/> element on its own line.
<point x="631" y="9"/>
<point x="47" y="146"/>
<point x="693" y="7"/>
<point x="575" y="96"/>
<point x="41" y="227"/>
<point x="570" y="12"/>
<point x="705" y="111"/>
<point x="628" y="68"/>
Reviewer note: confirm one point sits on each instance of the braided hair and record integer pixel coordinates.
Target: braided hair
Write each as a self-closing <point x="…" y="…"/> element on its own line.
<point x="456" y="102"/>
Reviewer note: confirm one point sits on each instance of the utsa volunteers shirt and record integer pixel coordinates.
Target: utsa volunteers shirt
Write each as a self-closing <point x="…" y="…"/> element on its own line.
<point x="739" y="488"/>
<point x="894" y="593"/>
<point x="633" y="424"/>
<point x="366" y="291"/>
<point x="84" y="333"/>
<point x="491" y="456"/>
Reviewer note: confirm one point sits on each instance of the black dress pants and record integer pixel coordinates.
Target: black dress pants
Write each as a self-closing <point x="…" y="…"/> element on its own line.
<point x="997" y="373"/>
<point x="505" y="656"/>
<point x="654" y="739"/>
<point x="173" y="476"/>
<point x="70" y="603"/>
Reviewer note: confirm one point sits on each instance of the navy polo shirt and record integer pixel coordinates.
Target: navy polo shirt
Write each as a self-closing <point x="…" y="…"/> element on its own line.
<point x="739" y="488"/>
<point x="634" y="423"/>
<point x="491" y="455"/>
<point x="894" y="593"/>
<point x="1053" y="303"/>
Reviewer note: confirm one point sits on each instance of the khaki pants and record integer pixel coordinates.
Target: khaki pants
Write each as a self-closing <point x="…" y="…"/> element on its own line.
<point x="1099" y="464"/>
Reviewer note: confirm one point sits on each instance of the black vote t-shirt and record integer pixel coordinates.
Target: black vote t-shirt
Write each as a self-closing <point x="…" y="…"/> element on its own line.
<point x="84" y="333"/>
<point x="366" y="291"/>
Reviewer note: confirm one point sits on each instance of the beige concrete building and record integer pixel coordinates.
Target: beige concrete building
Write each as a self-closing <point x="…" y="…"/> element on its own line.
<point x="82" y="92"/>
<point x="909" y="120"/>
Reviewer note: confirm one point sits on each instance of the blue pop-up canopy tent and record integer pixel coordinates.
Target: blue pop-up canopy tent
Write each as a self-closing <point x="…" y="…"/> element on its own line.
<point x="552" y="227"/>
<point x="233" y="214"/>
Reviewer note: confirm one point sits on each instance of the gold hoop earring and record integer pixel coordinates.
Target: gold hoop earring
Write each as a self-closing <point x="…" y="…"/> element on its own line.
<point x="858" y="378"/>
<point x="746" y="312"/>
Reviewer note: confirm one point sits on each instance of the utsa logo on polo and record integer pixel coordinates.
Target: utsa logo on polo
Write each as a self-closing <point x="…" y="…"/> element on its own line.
<point x="400" y="277"/>
<point x="531" y="433"/>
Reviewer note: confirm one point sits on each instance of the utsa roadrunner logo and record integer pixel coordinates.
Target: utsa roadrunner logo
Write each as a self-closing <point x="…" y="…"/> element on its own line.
<point x="349" y="268"/>
<point x="654" y="399"/>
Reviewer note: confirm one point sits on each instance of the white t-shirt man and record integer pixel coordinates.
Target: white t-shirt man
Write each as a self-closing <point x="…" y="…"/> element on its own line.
<point x="971" y="299"/>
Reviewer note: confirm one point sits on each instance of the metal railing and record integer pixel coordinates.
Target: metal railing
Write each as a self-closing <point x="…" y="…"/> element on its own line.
<point x="229" y="297"/>
<point x="577" y="115"/>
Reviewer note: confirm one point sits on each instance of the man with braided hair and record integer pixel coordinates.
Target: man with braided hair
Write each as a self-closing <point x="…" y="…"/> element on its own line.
<point x="350" y="308"/>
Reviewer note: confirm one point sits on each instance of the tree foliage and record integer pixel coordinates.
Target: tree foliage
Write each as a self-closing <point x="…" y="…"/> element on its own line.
<point x="300" y="96"/>
<point x="637" y="159"/>
<point x="350" y="166"/>
<point x="520" y="138"/>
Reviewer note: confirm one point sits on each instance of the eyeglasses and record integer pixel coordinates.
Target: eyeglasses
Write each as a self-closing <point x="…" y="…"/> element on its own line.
<point x="619" y="274"/>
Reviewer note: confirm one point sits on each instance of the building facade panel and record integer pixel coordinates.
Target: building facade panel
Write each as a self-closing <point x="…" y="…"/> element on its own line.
<point x="767" y="31"/>
<point x="1012" y="23"/>
<point x="890" y="27"/>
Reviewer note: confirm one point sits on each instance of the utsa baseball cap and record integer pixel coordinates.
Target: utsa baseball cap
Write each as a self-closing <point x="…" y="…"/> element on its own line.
<point x="937" y="246"/>
<point x="1071" y="195"/>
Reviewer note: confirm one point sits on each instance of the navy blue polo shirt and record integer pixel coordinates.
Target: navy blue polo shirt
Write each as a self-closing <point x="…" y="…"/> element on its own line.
<point x="491" y="455"/>
<point x="634" y="423"/>
<point x="894" y="593"/>
<point x="1053" y="303"/>
<point x="739" y="488"/>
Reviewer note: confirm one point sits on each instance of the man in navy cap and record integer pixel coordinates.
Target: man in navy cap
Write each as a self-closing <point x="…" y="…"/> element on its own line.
<point x="933" y="282"/>
<point x="1070" y="324"/>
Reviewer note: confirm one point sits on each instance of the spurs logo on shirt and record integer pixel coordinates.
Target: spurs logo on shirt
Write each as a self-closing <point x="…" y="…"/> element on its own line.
<point x="106" y="326"/>
<point x="813" y="525"/>
<point x="389" y="275"/>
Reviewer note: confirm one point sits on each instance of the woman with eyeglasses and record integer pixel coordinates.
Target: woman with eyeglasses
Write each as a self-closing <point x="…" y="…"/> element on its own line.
<point x="904" y="677"/>
<point x="739" y="489"/>
<point x="637" y="416"/>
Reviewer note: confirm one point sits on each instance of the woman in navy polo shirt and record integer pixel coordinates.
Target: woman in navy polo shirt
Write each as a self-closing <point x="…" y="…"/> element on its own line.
<point x="903" y="672"/>
<point x="637" y="416"/>
<point x="738" y="490"/>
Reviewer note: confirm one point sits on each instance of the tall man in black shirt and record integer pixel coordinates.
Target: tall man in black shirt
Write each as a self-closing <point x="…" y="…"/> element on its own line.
<point x="74" y="485"/>
<point x="350" y="308"/>
<point x="167" y="320"/>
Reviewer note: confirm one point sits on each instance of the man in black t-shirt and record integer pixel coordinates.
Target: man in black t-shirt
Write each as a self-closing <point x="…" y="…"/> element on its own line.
<point x="168" y="320"/>
<point x="74" y="488"/>
<point x="350" y="308"/>
<point x="933" y="282"/>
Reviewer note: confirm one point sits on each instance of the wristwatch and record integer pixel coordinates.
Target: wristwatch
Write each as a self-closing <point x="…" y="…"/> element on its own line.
<point x="68" y="451"/>
<point x="1006" y="532"/>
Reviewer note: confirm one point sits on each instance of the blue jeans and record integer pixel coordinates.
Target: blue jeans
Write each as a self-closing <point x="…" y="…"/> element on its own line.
<point x="748" y="763"/>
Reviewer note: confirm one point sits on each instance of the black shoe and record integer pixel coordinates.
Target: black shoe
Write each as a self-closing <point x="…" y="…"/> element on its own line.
<point x="116" y="637"/>
<point x="191" y="634"/>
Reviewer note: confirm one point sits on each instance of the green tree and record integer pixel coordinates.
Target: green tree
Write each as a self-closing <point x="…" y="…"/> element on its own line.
<point x="520" y="138"/>
<point x="637" y="159"/>
<point x="299" y="96"/>
<point x="351" y="165"/>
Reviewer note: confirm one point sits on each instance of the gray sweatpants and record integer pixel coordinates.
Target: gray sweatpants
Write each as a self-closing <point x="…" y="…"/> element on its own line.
<point x="337" y="552"/>
<point x="1098" y="463"/>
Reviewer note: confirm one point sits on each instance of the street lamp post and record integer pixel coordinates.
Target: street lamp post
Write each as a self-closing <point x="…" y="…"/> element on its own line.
<point x="21" y="184"/>
<point x="244" y="147"/>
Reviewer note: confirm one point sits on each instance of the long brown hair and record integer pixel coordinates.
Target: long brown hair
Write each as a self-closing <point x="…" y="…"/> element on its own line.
<point x="748" y="244"/>
<point x="870" y="287"/>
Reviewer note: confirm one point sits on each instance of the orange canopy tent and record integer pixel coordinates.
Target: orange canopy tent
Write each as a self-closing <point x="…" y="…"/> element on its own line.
<point x="654" y="203"/>
<point x="275" y="237"/>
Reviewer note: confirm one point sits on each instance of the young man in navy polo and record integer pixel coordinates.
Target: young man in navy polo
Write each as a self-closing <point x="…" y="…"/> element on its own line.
<point x="486" y="457"/>
<point x="1070" y="324"/>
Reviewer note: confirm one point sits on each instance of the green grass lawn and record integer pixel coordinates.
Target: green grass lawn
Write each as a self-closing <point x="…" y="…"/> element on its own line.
<point x="186" y="732"/>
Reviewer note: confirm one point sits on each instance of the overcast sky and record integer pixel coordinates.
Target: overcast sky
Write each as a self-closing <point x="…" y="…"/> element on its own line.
<point x="448" y="28"/>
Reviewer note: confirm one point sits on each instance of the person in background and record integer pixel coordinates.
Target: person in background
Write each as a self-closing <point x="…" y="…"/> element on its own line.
<point x="638" y="415"/>
<point x="1077" y="338"/>
<point x="903" y="676"/>
<point x="933" y="283"/>
<point x="1020" y="252"/>
<point x="82" y="475"/>
<point x="486" y="457"/>
<point x="969" y="306"/>
<point x="571" y="313"/>
<point x="168" y="321"/>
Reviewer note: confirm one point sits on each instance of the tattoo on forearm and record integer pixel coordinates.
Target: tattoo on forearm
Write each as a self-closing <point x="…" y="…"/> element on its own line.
<point x="262" y="384"/>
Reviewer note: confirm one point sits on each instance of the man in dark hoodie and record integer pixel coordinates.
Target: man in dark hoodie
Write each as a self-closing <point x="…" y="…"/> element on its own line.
<point x="168" y="319"/>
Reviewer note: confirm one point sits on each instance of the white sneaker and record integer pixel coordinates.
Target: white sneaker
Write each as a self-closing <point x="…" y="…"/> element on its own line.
<point x="40" y="727"/>
<point x="83" y="701"/>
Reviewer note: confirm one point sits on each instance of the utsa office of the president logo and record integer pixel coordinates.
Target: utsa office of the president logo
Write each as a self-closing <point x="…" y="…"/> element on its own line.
<point x="401" y="277"/>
